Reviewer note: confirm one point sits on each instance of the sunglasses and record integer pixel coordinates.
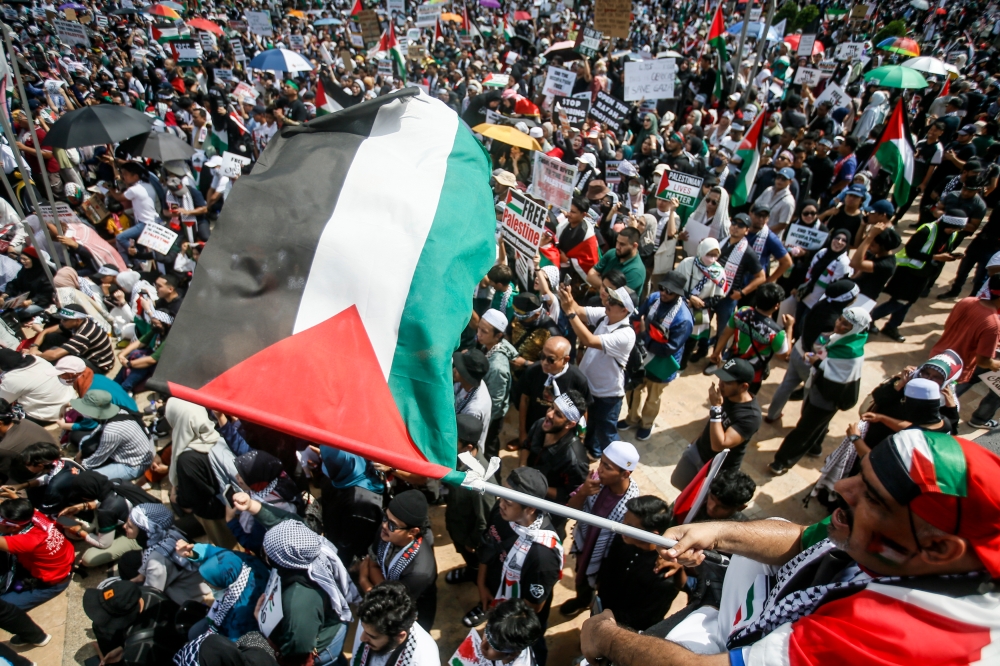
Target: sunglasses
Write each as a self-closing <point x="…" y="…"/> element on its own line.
<point x="808" y="212"/>
<point x="712" y="202"/>
<point x="550" y="359"/>
<point x="391" y="526"/>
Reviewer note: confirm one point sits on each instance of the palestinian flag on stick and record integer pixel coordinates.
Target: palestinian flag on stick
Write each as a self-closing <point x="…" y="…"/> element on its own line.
<point x="390" y="45"/>
<point x="309" y="331"/>
<point x="689" y="502"/>
<point x="358" y="8"/>
<point x="749" y="152"/>
<point x="438" y="35"/>
<point x="895" y="154"/>
<point x="717" y="34"/>
<point x="331" y="98"/>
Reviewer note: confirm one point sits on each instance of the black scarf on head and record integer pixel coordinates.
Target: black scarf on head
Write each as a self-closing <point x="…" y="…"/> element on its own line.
<point x="259" y="468"/>
<point x="823" y="262"/>
<point x="822" y="317"/>
<point x="12" y="360"/>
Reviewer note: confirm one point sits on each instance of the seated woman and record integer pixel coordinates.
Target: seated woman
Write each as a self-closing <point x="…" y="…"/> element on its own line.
<point x="159" y="566"/>
<point x="74" y="372"/>
<point x="34" y="384"/>
<point x="30" y="280"/>
<point x="71" y="288"/>
<point x="261" y="476"/>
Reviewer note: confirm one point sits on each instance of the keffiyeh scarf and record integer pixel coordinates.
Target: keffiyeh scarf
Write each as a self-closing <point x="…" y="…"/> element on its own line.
<point x="733" y="263"/>
<point x="837" y="465"/>
<point x="188" y="655"/>
<point x="157" y="521"/>
<point x="604" y="538"/>
<point x="405" y="651"/>
<point x="761" y="240"/>
<point x="510" y="583"/>
<point x="217" y="613"/>
<point x="394" y="569"/>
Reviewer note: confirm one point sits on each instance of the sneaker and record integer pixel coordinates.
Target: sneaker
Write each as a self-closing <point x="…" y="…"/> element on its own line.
<point x="17" y="641"/>
<point x="951" y="293"/>
<point x="893" y="334"/>
<point x="643" y="434"/>
<point x="988" y="425"/>
<point x="624" y="425"/>
<point x="709" y="369"/>
<point x="776" y="469"/>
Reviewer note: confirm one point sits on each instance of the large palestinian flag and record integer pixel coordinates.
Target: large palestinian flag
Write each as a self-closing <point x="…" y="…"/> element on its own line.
<point x="895" y="154"/>
<point x="338" y="282"/>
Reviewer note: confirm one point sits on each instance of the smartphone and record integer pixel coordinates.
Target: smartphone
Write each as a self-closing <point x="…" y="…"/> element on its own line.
<point x="230" y="491"/>
<point x="92" y="661"/>
<point x="567" y="279"/>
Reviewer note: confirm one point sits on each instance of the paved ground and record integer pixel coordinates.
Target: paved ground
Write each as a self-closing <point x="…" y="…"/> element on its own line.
<point x="682" y="416"/>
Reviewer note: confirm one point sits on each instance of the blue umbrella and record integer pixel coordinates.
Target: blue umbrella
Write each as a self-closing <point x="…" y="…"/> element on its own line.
<point x="754" y="30"/>
<point x="280" y="60"/>
<point x="329" y="21"/>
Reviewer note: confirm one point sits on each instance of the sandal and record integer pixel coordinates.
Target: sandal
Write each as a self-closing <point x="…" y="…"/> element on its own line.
<point x="474" y="617"/>
<point x="457" y="576"/>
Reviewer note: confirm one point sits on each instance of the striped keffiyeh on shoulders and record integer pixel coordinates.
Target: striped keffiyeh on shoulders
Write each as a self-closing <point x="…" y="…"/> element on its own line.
<point x="845" y="353"/>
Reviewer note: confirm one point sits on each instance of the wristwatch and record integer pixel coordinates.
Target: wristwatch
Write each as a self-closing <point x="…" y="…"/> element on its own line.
<point x="853" y="438"/>
<point x="571" y="315"/>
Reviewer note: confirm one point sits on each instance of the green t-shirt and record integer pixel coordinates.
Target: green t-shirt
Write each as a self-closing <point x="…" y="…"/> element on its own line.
<point x="635" y="272"/>
<point x="751" y="332"/>
<point x="498" y="299"/>
<point x="153" y="341"/>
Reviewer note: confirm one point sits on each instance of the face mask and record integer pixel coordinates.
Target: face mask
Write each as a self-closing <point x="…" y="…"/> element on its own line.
<point x="635" y="191"/>
<point x="67" y="382"/>
<point x="716" y="162"/>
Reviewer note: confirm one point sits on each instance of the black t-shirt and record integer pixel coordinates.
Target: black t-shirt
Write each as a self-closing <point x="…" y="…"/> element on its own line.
<point x="630" y="587"/>
<point x="745" y="418"/>
<point x="419" y="577"/>
<point x="946" y="170"/>
<point x="532" y="385"/>
<point x="822" y="124"/>
<point x="540" y="572"/>
<point x="171" y="307"/>
<point x="844" y="220"/>
<point x="749" y="264"/>
<point x="870" y="284"/>
<point x="297" y="111"/>
<point x="822" y="170"/>
<point x="974" y="207"/>
<point x="794" y="119"/>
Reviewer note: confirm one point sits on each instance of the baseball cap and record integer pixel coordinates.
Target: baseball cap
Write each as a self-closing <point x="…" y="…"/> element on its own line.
<point x="470" y="428"/>
<point x="883" y="206"/>
<point x="857" y="189"/>
<point x="214" y="161"/>
<point x="741" y="219"/>
<point x="471" y="365"/>
<point x="588" y="158"/>
<point x="967" y="129"/>
<point x="787" y="173"/>
<point x="761" y="209"/>
<point x="735" y="370"/>
<point x="529" y="481"/>
<point x="113" y="605"/>
<point x="825" y="142"/>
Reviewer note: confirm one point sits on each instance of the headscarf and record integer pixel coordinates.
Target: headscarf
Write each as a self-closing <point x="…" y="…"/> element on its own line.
<point x="292" y="545"/>
<point x="720" y="222"/>
<point x="824" y="258"/>
<point x="823" y="316"/>
<point x="873" y="116"/>
<point x="643" y="133"/>
<point x="66" y="277"/>
<point x="268" y="483"/>
<point x="347" y="470"/>
<point x="552" y="274"/>
<point x="243" y="579"/>
<point x="13" y="360"/>
<point x="157" y="521"/>
<point x="192" y="429"/>
<point x="135" y="287"/>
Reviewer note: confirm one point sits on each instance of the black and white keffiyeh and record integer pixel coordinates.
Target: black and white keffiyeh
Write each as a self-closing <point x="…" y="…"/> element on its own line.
<point x="393" y="569"/>
<point x="157" y="521"/>
<point x="405" y="658"/>
<point x="188" y="655"/>
<point x="604" y="538"/>
<point x="220" y="609"/>
<point x="292" y="545"/>
<point x="837" y="464"/>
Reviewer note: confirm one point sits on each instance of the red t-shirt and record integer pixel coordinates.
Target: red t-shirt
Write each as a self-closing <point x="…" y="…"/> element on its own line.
<point x="971" y="329"/>
<point x="51" y="164"/>
<point x="43" y="551"/>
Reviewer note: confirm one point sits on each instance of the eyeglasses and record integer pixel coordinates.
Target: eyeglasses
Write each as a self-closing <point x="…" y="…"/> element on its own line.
<point x="391" y="526"/>
<point x="712" y="202"/>
<point x="808" y="212"/>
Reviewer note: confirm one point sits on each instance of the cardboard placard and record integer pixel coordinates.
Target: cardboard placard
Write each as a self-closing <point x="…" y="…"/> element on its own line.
<point x="259" y="23"/>
<point x="102" y="21"/>
<point x="613" y="17"/>
<point x="849" y="50"/>
<point x="208" y="42"/>
<point x="609" y="110"/>
<point x="681" y="186"/>
<point x="521" y="227"/>
<point x="835" y="94"/>
<point x="805" y="237"/>
<point x="157" y="238"/>
<point x="552" y="181"/>
<point x="71" y="32"/>
<point x="806" y="43"/>
<point x="611" y="175"/>
<point x="371" y="29"/>
<point x="427" y="14"/>
<point x="809" y="76"/>
<point x="588" y="42"/>
<point x="232" y="164"/>
<point x="224" y="74"/>
<point x="559" y="82"/>
<point x="859" y="12"/>
<point x="238" y="49"/>
<point x="245" y="94"/>
<point x="575" y="109"/>
<point x="650" y="79"/>
<point x="239" y="25"/>
<point x="187" y="51"/>
<point x="297" y="42"/>
<point x="270" y="610"/>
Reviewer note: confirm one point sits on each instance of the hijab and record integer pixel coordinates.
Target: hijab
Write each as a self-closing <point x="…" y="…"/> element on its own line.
<point x="192" y="429"/>
<point x="268" y="483"/>
<point x="643" y="133"/>
<point x="66" y="277"/>
<point x="823" y="316"/>
<point x="719" y="223"/>
<point x="873" y="116"/>
<point x="216" y="650"/>
<point x="11" y="360"/>
<point x="347" y="470"/>
<point x="157" y="521"/>
<point x="824" y="258"/>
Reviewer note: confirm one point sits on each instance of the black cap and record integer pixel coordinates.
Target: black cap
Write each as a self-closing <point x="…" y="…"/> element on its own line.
<point x="470" y="428"/>
<point x="674" y="282"/>
<point x="735" y="370"/>
<point x="967" y="129"/>
<point x="471" y="365"/>
<point x="741" y="219"/>
<point x="529" y="481"/>
<point x="410" y="507"/>
<point x="113" y="605"/>
<point x="527" y="302"/>
<point x="760" y="208"/>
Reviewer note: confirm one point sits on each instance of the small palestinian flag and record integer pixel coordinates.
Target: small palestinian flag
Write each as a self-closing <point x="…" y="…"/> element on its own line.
<point x="895" y="154"/>
<point x="165" y="33"/>
<point x="358" y="8"/>
<point x="508" y="32"/>
<point x="717" y="34"/>
<point x="390" y="45"/>
<point x="749" y="152"/>
<point x="692" y="498"/>
<point x="293" y="324"/>
<point x="438" y="35"/>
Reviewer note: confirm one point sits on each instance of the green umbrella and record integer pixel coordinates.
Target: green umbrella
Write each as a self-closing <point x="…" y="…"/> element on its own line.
<point x="896" y="76"/>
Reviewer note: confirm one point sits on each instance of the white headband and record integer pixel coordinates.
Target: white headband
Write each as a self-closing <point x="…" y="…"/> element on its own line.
<point x="624" y="298"/>
<point x="566" y="406"/>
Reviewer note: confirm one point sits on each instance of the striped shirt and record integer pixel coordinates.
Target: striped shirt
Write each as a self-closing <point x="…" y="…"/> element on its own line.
<point x="91" y="343"/>
<point x="123" y="442"/>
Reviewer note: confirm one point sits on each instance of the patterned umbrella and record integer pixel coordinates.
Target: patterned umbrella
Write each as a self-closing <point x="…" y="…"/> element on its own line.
<point x="162" y="10"/>
<point x="901" y="45"/>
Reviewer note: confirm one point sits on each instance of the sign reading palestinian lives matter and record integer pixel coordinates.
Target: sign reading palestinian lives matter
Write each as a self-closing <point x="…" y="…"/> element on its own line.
<point x="371" y="30"/>
<point x="806" y="43"/>
<point x="609" y="110"/>
<point x="806" y="238"/>
<point x="259" y="23"/>
<point x="521" y="227"/>
<point x="849" y="50"/>
<point x="232" y="164"/>
<point x="611" y="175"/>
<point x="681" y="186"/>
<point x="552" y="180"/>
<point x="808" y="76"/>
<point x="71" y="33"/>
<point x="576" y="109"/>
<point x="428" y="13"/>
<point x="613" y="17"/>
<point x="650" y="79"/>
<point x="588" y="42"/>
<point x="835" y="94"/>
<point x="559" y="82"/>
<point x="157" y="238"/>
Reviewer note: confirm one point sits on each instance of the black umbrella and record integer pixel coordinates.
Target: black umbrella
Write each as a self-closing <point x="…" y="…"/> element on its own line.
<point x="158" y="146"/>
<point x="97" y="125"/>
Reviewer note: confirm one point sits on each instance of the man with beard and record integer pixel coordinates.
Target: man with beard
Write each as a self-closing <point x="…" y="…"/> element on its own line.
<point x="901" y="570"/>
<point x="75" y="335"/>
<point x="390" y="635"/>
<point x="625" y="258"/>
<point x="540" y="380"/>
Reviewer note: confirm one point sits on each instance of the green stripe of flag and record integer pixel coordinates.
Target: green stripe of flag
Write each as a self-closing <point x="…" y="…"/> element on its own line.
<point x="431" y="325"/>
<point x="949" y="464"/>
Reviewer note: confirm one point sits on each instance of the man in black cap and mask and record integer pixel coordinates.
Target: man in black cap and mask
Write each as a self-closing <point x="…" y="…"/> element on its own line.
<point x="467" y="509"/>
<point x="471" y="394"/>
<point x="530" y="330"/>
<point x="521" y="555"/>
<point x="404" y="551"/>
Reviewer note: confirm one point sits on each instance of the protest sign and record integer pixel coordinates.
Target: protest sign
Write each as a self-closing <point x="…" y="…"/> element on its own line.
<point x="224" y="74"/>
<point x="559" y="82"/>
<point x="357" y="40"/>
<point x="576" y="109"/>
<point x="755" y="13"/>
<point x="588" y="42"/>
<point x="805" y="237"/>
<point x="849" y="50"/>
<point x="237" y="49"/>
<point x="157" y="238"/>
<point x="492" y="117"/>
<point x="427" y="14"/>
<point x="613" y="17"/>
<point x="611" y="176"/>
<point x="232" y="164"/>
<point x="271" y="613"/>
<point x="63" y="210"/>
<point x="609" y="110"/>
<point x="835" y="94"/>
<point x="259" y="23"/>
<point x="187" y="51"/>
<point x="552" y="180"/>
<point x="245" y="93"/>
<point x="207" y="40"/>
<point x="650" y="79"/>
<point x="806" y="43"/>
<point x="521" y="227"/>
<point x="681" y="186"/>
<point x="398" y="6"/>
<point x="239" y="25"/>
<point x="10" y="13"/>
<point x="71" y="33"/>
<point x="297" y="42"/>
<point x="809" y="76"/>
<point x="859" y="12"/>
<point x="102" y="21"/>
<point x="371" y="29"/>
<point x="385" y="67"/>
<point x="992" y="380"/>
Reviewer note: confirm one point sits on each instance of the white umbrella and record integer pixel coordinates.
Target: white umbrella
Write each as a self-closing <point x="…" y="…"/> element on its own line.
<point x="930" y="65"/>
<point x="920" y="4"/>
<point x="280" y="60"/>
<point x="669" y="54"/>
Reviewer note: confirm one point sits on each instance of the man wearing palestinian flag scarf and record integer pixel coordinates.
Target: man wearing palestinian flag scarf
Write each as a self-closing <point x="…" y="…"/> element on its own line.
<point x="902" y="573"/>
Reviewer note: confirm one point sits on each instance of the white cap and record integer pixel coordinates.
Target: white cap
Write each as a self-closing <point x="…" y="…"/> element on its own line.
<point x="536" y="132"/>
<point x="622" y="454"/>
<point x="736" y="127"/>
<point x="496" y="319"/>
<point x="522" y="127"/>
<point x="588" y="158"/>
<point x="215" y="161"/>
<point x="922" y="389"/>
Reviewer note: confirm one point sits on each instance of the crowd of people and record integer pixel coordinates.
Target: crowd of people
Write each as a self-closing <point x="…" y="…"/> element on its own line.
<point x="229" y="543"/>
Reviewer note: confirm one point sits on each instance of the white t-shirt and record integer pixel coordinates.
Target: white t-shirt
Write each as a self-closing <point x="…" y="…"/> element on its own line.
<point x="142" y="205"/>
<point x="263" y="134"/>
<point x="425" y="652"/>
<point x="38" y="389"/>
<point x="603" y="367"/>
<point x="221" y="183"/>
<point x="481" y="406"/>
